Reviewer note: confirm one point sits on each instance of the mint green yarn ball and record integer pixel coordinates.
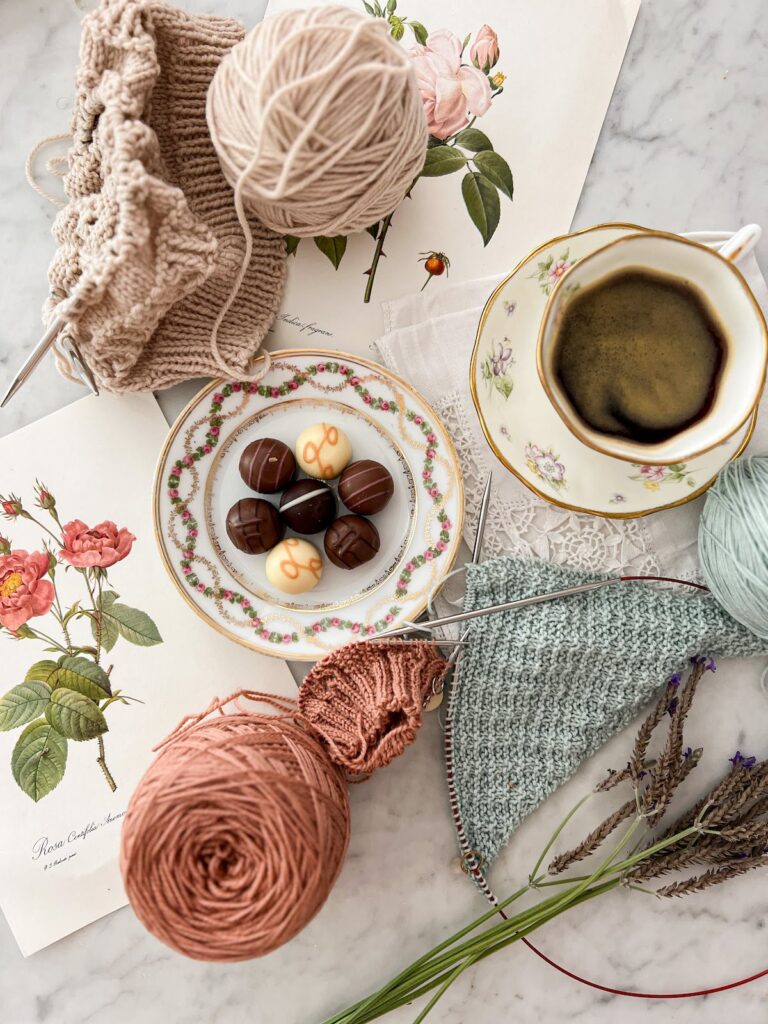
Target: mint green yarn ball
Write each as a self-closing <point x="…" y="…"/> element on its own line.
<point x="733" y="541"/>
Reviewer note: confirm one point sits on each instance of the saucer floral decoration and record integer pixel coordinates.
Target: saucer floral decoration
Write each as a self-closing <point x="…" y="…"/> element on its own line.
<point x="458" y="83"/>
<point x="63" y="698"/>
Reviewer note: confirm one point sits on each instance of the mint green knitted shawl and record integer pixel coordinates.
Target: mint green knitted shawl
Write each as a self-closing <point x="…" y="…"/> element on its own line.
<point x="541" y="689"/>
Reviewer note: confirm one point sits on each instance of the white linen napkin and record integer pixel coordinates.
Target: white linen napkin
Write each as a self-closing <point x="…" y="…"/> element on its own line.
<point x="428" y="340"/>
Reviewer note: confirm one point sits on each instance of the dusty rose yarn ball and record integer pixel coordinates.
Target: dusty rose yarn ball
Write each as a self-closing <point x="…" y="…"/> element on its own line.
<point x="235" y="835"/>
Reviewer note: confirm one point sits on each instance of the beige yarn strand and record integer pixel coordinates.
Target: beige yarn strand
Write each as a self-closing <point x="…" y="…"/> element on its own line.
<point x="56" y="165"/>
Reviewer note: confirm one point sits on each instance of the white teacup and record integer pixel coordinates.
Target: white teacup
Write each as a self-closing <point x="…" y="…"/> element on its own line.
<point x="741" y="378"/>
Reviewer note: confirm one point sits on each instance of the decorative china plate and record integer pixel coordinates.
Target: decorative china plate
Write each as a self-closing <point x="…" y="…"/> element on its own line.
<point x="525" y="431"/>
<point x="198" y="480"/>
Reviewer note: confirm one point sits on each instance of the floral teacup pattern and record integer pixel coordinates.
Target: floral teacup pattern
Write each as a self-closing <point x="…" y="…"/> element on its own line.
<point x="653" y="477"/>
<point x="544" y="464"/>
<point x="549" y="270"/>
<point x="496" y="367"/>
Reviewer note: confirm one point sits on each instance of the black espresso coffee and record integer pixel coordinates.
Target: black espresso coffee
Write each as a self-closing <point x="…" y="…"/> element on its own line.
<point x="638" y="354"/>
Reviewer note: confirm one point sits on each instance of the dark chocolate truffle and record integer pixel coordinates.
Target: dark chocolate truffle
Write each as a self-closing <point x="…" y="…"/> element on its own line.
<point x="366" y="487"/>
<point x="253" y="525"/>
<point x="267" y="465"/>
<point x="351" y="541"/>
<point x="308" y="506"/>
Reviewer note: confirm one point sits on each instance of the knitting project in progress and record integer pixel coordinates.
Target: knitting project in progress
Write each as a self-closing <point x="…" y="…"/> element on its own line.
<point x="149" y="242"/>
<point x="542" y="688"/>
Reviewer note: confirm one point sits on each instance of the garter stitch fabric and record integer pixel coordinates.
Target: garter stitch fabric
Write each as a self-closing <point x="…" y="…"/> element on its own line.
<point x="541" y="689"/>
<point x="149" y="241"/>
<point x="365" y="700"/>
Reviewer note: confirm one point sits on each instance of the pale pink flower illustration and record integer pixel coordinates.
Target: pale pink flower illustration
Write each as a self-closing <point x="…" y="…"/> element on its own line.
<point x="451" y="92"/>
<point x="484" y="52"/>
<point x="652" y="472"/>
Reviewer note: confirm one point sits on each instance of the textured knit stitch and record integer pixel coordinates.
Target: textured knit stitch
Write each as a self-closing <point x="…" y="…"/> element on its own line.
<point x="542" y="688"/>
<point x="149" y="241"/>
<point x="365" y="700"/>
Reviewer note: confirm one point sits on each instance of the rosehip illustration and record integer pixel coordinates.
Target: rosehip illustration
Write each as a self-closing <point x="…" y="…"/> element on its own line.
<point x="435" y="264"/>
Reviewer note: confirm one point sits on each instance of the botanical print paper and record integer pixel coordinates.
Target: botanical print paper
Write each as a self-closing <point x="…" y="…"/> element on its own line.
<point x="90" y="467"/>
<point x="533" y="104"/>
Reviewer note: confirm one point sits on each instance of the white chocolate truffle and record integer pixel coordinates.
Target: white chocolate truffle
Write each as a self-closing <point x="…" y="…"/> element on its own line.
<point x="323" y="451"/>
<point x="294" y="566"/>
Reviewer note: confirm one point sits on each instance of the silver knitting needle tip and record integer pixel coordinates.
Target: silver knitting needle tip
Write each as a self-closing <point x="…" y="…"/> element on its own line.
<point x="477" y="548"/>
<point x="507" y="606"/>
<point x="32" y="361"/>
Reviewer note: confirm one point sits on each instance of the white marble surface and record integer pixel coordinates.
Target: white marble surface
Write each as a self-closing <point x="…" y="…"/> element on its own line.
<point x="684" y="146"/>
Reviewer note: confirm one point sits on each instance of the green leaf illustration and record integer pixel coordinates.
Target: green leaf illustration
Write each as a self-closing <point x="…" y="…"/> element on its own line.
<point x="109" y="630"/>
<point x="442" y="160"/>
<point x="75" y="716"/>
<point x="133" y="625"/>
<point x="482" y="202"/>
<point x="504" y="385"/>
<point x="396" y="27"/>
<point x="368" y="8"/>
<point x="39" y="759"/>
<point x="496" y="169"/>
<point x="23" y="703"/>
<point x="419" y="31"/>
<point x="291" y="244"/>
<point x="474" y="139"/>
<point x="82" y="676"/>
<point x="334" y="248"/>
<point x="373" y="230"/>
<point x="41" y="672"/>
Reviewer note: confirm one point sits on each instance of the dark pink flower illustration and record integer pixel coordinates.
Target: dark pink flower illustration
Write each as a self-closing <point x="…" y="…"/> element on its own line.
<point x="23" y="591"/>
<point x="100" y="546"/>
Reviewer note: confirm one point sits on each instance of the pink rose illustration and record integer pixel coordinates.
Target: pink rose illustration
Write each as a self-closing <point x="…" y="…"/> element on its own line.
<point x="102" y="546"/>
<point x="451" y="92"/>
<point x="652" y="472"/>
<point x="23" y="591"/>
<point x="484" y="52"/>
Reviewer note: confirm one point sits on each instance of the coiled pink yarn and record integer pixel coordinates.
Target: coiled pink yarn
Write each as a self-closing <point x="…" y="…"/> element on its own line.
<point x="236" y="833"/>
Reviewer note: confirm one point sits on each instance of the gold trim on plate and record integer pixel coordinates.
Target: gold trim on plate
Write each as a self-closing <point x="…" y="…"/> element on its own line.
<point x="573" y="425"/>
<point x="286" y="654"/>
<point x="486" y="432"/>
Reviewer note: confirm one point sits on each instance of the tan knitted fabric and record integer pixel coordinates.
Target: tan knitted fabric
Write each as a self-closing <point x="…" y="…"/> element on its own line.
<point x="149" y="242"/>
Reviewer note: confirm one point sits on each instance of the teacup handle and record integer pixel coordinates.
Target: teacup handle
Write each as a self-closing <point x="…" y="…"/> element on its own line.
<point x="741" y="243"/>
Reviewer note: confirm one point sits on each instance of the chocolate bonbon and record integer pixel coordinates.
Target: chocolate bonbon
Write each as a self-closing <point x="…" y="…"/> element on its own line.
<point x="254" y="525"/>
<point x="308" y="506"/>
<point x="323" y="450"/>
<point x="267" y="465"/>
<point x="365" y="487"/>
<point x="351" y="541"/>
<point x="294" y="566"/>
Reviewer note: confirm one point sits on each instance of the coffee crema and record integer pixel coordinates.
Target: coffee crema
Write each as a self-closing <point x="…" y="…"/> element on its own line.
<point x="638" y="354"/>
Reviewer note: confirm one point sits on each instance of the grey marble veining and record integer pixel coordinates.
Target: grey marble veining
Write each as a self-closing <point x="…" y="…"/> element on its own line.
<point x="684" y="146"/>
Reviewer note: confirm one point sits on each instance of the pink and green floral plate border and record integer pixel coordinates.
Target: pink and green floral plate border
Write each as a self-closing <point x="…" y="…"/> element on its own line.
<point x="179" y="488"/>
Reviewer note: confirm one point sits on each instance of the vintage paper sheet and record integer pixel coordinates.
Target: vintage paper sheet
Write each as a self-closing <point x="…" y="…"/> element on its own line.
<point x="59" y="852"/>
<point x="550" y="86"/>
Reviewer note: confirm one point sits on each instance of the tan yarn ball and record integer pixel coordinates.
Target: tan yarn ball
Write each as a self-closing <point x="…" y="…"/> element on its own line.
<point x="235" y="834"/>
<point x="318" y="122"/>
